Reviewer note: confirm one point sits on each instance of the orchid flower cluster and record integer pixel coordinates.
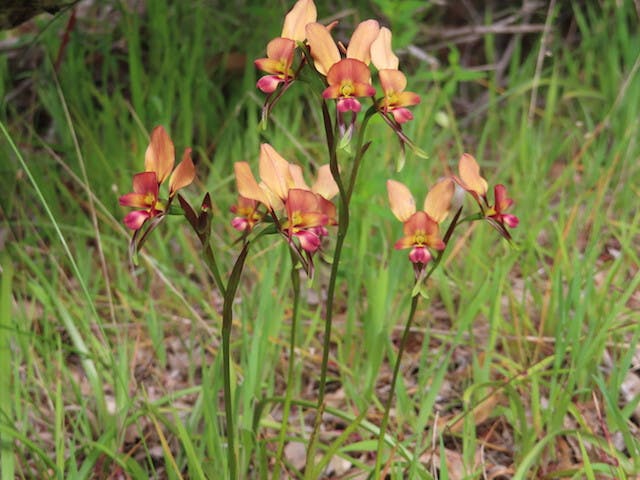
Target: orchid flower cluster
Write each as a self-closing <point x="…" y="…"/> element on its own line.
<point x="282" y="202"/>
<point x="422" y="228"/>
<point x="299" y="212"/>
<point x="346" y="71"/>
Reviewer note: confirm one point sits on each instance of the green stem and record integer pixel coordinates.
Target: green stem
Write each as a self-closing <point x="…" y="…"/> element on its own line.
<point x="394" y="380"/>
<point x="343" y="226"/>
<point x="210" y="260"/>
<point x="405" y="336"/>
<point x="227" y="322"/>
<point x="295" y="284"/>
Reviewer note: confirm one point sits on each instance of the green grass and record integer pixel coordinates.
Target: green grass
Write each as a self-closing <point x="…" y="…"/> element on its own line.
<point x="111" y="368"/>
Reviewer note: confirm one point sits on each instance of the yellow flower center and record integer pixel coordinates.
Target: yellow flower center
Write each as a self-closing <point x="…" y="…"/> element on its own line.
<point x="296" y="218"/>
<point x="419" y="238"/>
<point x="347" y="89"/>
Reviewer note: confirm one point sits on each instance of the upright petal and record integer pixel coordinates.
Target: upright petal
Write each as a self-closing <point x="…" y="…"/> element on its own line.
<point x="438" y="201"/>
<point x="325" y="185"/>
<point x="274" y="171"/>
<point x="361" y="40"/>
<point x="302" y="13"/>
<point x="324" y="50"/>
<point x="160" y="154"/>
<point x="403" y="205"/>
<point x="382" y="55"/>
<point x="298" y="178"/>
<point x="392" y="81"/>
<point x="184" y="173"/>
<point x="470" y="175"/>
<point x="247" y="185"/>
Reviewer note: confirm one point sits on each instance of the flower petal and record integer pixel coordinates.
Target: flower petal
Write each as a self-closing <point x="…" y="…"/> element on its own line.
<point x="502" y="202"/>
<point x="470" y="175"/>
<point x="402" y="203"/>
<point x="352" y="70"/>
<point x="274" y="171"/>
<point x="160" y="154"/>
<point x="146" y="183"/>
<point x="402" y="115"/>
<point x="135" y="200"/>
<point x="184" y="173"/>
<point x="301" y="201"/>
<point x="325" y="185"/>
<point x="360" y="44"/>
<point x="269" y="83"/>
<point x="281" y="50"/>
<point x="298" y="178"/>
<point x="302" y="13"/>
<point x="392" y="81"/>
<point x="309" y="240"/>
<point x="247" y="185"/>
<point x="382" y="55"/>
<point x="324" y="50"/>
<point x="134" y="220"/>
<point x="438" y="201"/>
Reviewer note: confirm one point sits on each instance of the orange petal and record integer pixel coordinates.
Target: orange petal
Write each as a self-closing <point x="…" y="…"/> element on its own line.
<point x="302" y="202"/>
<point x="325" y="185"/>
<point x="382" y="55"/>
<point x="403" y="205"/>
<point x="298" y="178"/>
<point x="351" y="70"/>
<point x="419" y="222"/>
<point x="160" y="154"/>
<point x="281" y="50"/>
<point x="302" y="13"/>
<point x="274" y="171"/>
<point x="184" y="173"/>
<point x="406" y="99"/>
<point x="392" y="81"/>
<point x="470" y="175"/>
<point x="247" y="185"/>
<point x="268" y="65"/>
<point x="360" y="44"/>
<point x="438" y="201"/>
<point x="323" y="49"/>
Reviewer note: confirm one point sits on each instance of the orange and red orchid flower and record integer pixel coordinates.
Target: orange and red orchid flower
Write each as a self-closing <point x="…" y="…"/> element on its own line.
<point x="392" y="80"/>
<point x="247" y="215"/>
<point x="421" y="229"/>
<point x="305" y="220"/>
<point x="470" y="179"/>
<point x="348" y="78"/>
<point x="280" y="50"/>
<point x="279" y="180"/>
<point x="159" y="161"/>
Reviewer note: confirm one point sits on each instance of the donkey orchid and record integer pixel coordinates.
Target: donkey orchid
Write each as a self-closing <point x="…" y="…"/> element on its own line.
<point x="282" y="186"/>
<point x="305" y="220"/>
<point x="469" y="179"/>
<point x="421" y="228"/>
<point x="280" y="50"/>
<point x="247" y="215"/>
<point x="392" y="80"/>
<point x="348" y="78"/>
<point x="159" y="161"/>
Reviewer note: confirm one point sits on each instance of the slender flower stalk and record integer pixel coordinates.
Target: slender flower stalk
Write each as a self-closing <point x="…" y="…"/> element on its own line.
<point x="343" y="226"/>
<point x="227" y="322"/>
<point x="407" y="329"/>
<point x="286" y="407"/>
